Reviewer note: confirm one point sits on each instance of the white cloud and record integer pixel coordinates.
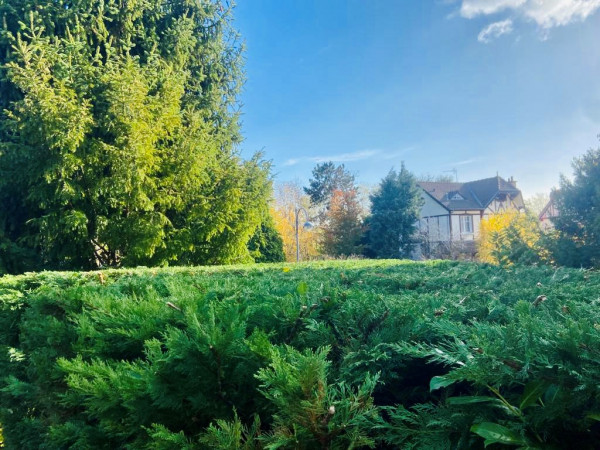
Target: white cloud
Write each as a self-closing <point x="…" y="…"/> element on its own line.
<point x="495" y="30"/>
<point x="360" y="155"/>
<point x="553" y="13"/>
<point x="473" y="8"/>
<point x="545" y="13"/>
<point x="342" y="157"/>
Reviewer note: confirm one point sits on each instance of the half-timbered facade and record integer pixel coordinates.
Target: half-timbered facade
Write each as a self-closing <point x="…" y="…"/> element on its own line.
<point x="452" y="212"/>
<point x="548" y="214"/>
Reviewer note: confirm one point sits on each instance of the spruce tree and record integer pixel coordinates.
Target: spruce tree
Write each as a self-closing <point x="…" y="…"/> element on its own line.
<point x="119" y="133"/>
<point x="395" y="209"/>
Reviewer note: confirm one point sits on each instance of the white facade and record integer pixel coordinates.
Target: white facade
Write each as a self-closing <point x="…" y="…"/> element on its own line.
<point x="437" y="224"/>
<point x="465" y="225"/>
<point x="452" y="212"/>
<point x="435" y="221"/>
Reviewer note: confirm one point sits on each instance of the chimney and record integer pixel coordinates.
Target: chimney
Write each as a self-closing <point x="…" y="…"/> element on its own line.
<point x="512" y="182"/>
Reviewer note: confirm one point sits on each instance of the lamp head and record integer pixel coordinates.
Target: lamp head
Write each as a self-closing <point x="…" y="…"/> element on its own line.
<point x="308" y="225"/>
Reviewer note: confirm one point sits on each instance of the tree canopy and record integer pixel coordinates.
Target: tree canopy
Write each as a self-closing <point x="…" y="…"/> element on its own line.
<point x="118" y="140"/>
<point x="288" y="197"/>
<point x="343" y="230"/>
<point x="327" y="178"/>
<point x="395" y="210"/>
<point x="578" y="222"/>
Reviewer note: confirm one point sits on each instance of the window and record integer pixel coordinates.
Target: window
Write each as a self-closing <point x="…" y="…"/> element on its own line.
<point x="466" y="224"/>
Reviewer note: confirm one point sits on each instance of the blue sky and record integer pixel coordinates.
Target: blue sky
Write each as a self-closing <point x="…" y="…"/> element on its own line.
<point x="483" y="86"/>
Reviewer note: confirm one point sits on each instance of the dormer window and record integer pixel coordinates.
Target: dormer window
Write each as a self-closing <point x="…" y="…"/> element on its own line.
<point x="455" y="196"/>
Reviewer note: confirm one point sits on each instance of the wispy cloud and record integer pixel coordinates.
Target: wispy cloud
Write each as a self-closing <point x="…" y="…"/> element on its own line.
<point x="386" y="156"/>
<point x="359" y="155"/>
<point x="546" y="14"/>
<point x="341" y="157"/>
<point x="554" y="13"/>
<point x="466" y="162"/>
<point x="495" y="30"/>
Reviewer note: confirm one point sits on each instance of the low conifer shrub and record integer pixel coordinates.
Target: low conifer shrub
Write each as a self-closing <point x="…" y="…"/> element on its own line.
<point x="352" y="354"/>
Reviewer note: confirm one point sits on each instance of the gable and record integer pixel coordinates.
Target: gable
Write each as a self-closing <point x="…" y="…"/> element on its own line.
<point x="453" y="196"/>
<point x="431" y="207"/>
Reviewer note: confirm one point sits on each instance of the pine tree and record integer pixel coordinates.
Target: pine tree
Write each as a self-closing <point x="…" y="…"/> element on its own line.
<point x="118" y="135"/>
<point x="328" y="178"/>
<point x="395" y="209"/>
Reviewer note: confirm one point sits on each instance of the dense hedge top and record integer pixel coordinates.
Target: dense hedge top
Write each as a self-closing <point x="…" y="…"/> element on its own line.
<point x="320" y="355"/>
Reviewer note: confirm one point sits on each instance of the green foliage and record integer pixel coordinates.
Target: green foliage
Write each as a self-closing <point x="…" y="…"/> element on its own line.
<point x="326" y="179"/>
<point x="512" y="237"/>
<point x="232" y="435"/>
<point x="311" y="412"/>
<point x="343" y="229"/>
<point x="118" y="136"/>
<point x="351" y="354"/>
<point x="266" y="245"/>
<point x="578" y="223"/>
<point x="497" y="434"/>
<point x="395" y="209"/>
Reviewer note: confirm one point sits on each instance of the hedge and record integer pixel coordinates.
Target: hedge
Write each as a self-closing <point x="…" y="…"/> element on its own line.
<point x="377" y="354"/>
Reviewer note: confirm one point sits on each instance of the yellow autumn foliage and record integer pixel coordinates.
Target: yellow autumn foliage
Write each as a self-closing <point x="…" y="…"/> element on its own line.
<point x="285" y="225"/>
<point x="509" y="237"/>
<point x="288" y="197"/>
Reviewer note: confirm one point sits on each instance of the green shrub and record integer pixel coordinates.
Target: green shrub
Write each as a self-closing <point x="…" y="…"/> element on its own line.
<point x="266" y="245"/>
<point x="323" y="355"/>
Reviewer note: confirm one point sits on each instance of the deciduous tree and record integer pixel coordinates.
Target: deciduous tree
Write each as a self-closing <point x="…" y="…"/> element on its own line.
<point x="536" y="203"/>
<point x="511" y="237"/>
<point x="343" y="230"/>
<point x="288" y="198"/>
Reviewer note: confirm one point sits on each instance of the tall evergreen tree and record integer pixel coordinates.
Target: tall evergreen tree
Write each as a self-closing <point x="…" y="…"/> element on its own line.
<point x="327" y="178"/>
<point x="395" y="209"/>
<point x="118" y="135"/>
<point x="578" y="223"/>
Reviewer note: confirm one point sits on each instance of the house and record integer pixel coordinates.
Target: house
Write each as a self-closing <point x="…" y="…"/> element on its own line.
<point x="452" y="212"/>
<point x="548" y="214"/>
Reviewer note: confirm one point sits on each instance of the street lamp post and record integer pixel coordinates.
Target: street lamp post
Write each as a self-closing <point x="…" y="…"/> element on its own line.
<point x="307" y="225"/>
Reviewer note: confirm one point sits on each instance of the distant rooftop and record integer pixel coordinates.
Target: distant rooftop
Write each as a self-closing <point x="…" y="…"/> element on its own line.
<point x="476" y="194"/>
